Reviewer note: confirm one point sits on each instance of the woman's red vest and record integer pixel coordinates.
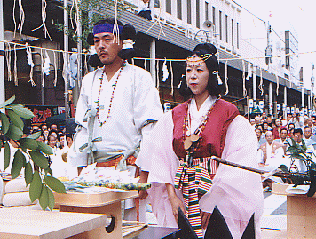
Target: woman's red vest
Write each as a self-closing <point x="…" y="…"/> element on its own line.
<point x="212" y="140"/>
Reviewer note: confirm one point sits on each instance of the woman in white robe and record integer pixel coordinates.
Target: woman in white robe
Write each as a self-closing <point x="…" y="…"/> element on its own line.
<point x="237" y="193"/>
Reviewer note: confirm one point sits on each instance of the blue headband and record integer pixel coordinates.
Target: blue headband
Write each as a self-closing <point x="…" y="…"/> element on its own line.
<point x="100" y="28"/>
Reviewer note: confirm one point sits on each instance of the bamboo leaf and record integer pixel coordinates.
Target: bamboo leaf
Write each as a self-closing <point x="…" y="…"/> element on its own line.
<point x="7" y="154"/>
<point x="5" y="123"/>
<point x="17" y="164"/>
<point x="14" y="132"/>
<point x="44" y="200"/>
<point x="29" y="143"/>
<point x="15" y="119"/>
<point x="34" y="136"/>
<point x="28" y="173"/>
<point x="22" y="111"/>
<point x="39" y="159"/>
<point x="9" y="101"/>
<point x="55" y="184"/>
<point x="51" y="199"/>
<point x="36" y="187"/>
<point x="46" y="149"/>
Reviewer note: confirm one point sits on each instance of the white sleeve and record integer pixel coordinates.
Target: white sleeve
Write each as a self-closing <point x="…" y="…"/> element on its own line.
<point x="157" y="155"/>
<point x="146" y="101"/>
<point x="237" y="193"/>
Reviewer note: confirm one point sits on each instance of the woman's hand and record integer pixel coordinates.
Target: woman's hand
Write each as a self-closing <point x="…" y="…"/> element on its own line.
<point x="205" y="217"/>
<point x="174" y="201"/>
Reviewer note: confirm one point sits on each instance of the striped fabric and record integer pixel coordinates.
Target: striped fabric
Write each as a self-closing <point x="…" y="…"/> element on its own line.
<point x="195" y="182"/>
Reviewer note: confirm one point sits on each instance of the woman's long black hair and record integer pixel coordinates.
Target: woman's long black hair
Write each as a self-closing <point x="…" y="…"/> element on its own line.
<point x="212" y="65"/>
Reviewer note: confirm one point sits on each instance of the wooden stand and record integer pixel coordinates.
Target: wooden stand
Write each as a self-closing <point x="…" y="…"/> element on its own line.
<point x="104" y="202"/>
<point x="301" y="211"/>
<point x="24" y="222"/>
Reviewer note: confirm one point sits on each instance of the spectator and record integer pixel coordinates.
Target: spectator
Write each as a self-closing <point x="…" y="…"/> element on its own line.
<point x="276" y="130"/>
<point x="259" y="137"/>
<point x="308" y="136"/>
<point x="283" y="139"/>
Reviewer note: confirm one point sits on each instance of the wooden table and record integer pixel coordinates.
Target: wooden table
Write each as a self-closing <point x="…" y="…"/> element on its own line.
<point x="24" y="222"/>
<point x="106" y="201"/>
<point x="301" y="213"/>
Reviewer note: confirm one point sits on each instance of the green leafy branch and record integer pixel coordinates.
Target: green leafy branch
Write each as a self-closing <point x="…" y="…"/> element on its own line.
<point x="37" y="171"/>
<point x="91" y="11"/>
<point x="297" y="151"/>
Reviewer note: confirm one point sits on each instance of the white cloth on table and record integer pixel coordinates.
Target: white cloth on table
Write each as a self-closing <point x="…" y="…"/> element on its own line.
<point x="237" y="193"/>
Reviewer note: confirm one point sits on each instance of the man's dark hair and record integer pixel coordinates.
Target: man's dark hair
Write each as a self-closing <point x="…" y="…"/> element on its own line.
<point x="298" y="130"/>
<point x="283" y="129"/>
<point x="307" y="127"/>
<point x="212" y="65"/>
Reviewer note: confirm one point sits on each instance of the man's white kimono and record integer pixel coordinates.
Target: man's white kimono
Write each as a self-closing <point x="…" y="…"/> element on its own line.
<point x="135" y="101"/>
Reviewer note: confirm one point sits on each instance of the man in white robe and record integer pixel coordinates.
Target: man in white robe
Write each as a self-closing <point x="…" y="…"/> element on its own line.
<point x="115" y="104"/>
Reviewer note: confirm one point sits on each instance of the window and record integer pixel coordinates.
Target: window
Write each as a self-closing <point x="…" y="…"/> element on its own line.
<point x="232" y="32"/>
<point x="206" y="11"/>
<point x="237" y="33"/>
<point x="226" y="28"/>
<point x="198" y="13"/>
<point x="180" y="9"/>
<point x="214" y="17"/>
<point x="189" y="20"/>
<point x="168" y="6"/>
<point x="220" y="25"/>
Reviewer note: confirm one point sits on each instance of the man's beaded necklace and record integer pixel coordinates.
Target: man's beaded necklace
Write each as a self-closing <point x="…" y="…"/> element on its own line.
<point x="112" y="96"/>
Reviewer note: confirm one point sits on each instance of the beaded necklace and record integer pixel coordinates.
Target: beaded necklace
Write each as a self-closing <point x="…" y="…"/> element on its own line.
<point x="112" y="96"/>
<point x="191" y="141"/>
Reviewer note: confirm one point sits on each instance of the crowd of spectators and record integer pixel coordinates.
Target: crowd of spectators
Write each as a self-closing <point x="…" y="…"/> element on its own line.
<point x="275" y="135"/>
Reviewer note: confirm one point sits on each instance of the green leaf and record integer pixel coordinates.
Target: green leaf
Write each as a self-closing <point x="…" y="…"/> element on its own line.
<point x="29" y="143"/>
<point x="14" y="132"/>
<point x="48" y="170"/>
<point x="22" y="111"/>
<point x="34" y="136"/>
<point x="28" y="173"/>
<point x="44" y="148"/>
<point x="7" y="155"/>
<point x="5" y="123"/>
<point x="55" y="184"/>
<point x="39" y="159"/>
<point x="9" y="101"/>
<point x="44" y="200"/>
<point x="36" y="187"/>
<point x="15" y="119"/>
<point x="51" y="199"/>
<point x="17" y="164"/>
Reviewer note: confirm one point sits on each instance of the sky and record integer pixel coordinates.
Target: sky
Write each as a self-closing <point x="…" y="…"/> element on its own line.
<point x="296" y="16"/>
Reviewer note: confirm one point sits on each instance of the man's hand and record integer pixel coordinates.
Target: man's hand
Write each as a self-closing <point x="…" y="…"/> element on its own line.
<point x="142" y="194"/>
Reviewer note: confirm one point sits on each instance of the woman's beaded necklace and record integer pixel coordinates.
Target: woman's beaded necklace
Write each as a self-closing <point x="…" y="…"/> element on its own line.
<point x="112" y="96"/>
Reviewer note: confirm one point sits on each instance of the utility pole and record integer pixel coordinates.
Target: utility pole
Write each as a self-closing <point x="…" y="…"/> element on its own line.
<point x="79" y="57"/>
<point x="152" y="44"/>
<point x="66" y="48"/>
<point x="2" y="91"/>
<point x="312" y="85"/>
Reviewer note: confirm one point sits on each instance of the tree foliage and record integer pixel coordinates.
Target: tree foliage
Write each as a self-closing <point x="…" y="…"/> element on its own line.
<point x="31" y="155"/>
<point x="90" y="12"/>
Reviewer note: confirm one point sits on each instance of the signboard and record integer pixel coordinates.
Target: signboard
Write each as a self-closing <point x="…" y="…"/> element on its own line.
<point x="261" y="104"/>
<point x="292" y="110"/>
<point x="250" y="103"/>
<point x="42" y="112"/>
<point x="288" y="110"/>
<point x="278" y="107"/>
